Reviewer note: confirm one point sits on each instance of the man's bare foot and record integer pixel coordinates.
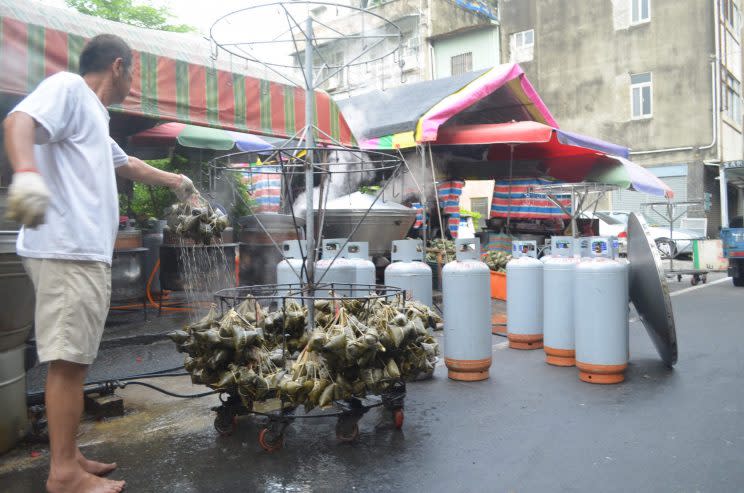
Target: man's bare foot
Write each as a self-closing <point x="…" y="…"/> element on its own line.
<point x="94" y="467"/>
<point x="79" y="481"/>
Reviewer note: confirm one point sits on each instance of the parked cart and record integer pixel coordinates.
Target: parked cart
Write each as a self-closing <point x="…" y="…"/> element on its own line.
<point x="672" y="212"/>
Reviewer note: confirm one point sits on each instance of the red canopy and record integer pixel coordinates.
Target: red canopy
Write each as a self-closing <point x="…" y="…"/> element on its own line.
<point x="563" y="155"/>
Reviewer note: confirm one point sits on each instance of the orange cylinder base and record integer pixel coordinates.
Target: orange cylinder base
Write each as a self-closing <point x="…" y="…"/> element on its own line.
<point x="498" y="330"/>
<point x="468" y="370"/>
<point x="601" y="374"/>
<point x="525" y="341"/>
<point x="560" y="357"/>
<point x="498" y="324"/>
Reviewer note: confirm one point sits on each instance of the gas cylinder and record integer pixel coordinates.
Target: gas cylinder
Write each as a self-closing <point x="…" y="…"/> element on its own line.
<point x="558" y="317"/>
<point x="601" y="319"/>
<point x="467" y="313"/>
<point x="333" y="268"/>
<point x="409" y="272"/>
<point x="560" y="246"/>
<point x="597" y="246"/>
<point x="357" y="252"/>
<point x="524" y="248"/>
<point x="524" y="304"/>
<point x="289" y="270"/>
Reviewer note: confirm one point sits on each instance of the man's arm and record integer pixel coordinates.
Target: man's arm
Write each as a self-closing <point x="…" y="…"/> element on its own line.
<point x="140" y="171"/>
<point x="19" y="129"/>
<point x="28" y="196"/>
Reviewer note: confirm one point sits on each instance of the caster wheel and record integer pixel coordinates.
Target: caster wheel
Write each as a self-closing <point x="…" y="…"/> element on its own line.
<point x="346" y="433"/>
<point x="398" y="417"/>
<point x="269" y="442"/>
<point x="695" y="280"/>
<point x="225" y="423"/>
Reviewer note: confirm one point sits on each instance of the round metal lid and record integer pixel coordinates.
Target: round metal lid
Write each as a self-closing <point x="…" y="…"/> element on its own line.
<point x="362" y="201"/>
<point x="649" y="292"/>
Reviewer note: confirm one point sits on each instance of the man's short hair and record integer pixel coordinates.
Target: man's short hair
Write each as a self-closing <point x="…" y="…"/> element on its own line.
<point x="101" y="51"/>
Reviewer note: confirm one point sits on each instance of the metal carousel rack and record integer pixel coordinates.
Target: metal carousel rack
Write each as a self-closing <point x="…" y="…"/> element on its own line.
<point x="324" y="162"/>
<point x="281" y="413"/>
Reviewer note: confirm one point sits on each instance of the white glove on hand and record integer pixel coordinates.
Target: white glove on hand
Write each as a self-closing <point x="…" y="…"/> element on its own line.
<point x="185" y="190"/>
<point x="28" y="198"/>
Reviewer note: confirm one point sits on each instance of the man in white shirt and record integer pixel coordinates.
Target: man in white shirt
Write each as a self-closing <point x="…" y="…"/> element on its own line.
<point x="64" y="193"/>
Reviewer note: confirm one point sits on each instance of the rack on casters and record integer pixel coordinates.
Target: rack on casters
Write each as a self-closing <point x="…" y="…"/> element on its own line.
<point x="670" y="212"/>
<point x="277" y="410"/>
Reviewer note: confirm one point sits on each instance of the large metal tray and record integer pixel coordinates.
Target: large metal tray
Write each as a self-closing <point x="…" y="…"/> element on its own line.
<point x="649" y="292"/>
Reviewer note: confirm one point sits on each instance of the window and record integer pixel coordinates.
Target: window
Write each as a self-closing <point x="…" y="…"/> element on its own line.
<point x="482" y="206"/>
<point x="640" y="11"/>
<point x="731" y="14"/>
<point x="461" y="64"/>
<point x="641" y="92"/>
<point x="731" y="96"/>
<point x="332" y="69"/>
<point x="521" y="46"/>
<point x="410" y="44"/>
<point x="524" y="38"/>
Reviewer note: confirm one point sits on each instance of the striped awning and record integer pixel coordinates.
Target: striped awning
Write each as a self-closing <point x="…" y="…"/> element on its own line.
<point x="175" y="79"/>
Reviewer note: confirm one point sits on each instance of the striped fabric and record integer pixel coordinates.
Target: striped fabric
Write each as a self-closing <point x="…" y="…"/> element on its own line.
<point x="449" y="201"/>
<point x="264" y="188"/>
<point x="449" y="196"/>
<point x="522" y="204"/>
<point x="453" y="224"/>
<point x="499" y="242"/>
<point x="174" y="78"/>
<point x="420" y="222"/>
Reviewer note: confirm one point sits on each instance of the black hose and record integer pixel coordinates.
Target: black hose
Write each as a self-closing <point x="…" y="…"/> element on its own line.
<point x="144" y="376"/>
<point x="166" y="392"/>
<point x="37" y="398"/>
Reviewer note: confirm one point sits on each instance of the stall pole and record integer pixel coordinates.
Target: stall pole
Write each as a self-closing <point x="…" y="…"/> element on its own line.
<point x="310" y="139"/>
<point x="508" y="201"/>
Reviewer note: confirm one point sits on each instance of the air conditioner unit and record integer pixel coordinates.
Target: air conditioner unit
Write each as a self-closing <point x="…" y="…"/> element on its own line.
<point x="409" y="63"/>
<point x="334" y="82"/>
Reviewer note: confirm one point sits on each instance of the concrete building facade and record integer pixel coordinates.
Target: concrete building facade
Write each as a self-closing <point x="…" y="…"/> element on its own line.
<point x="662" y="77"/>
<point x="439" y="38"/>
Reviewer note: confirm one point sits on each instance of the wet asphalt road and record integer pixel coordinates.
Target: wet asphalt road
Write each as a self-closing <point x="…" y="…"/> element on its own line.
<point x="529" y="428"/>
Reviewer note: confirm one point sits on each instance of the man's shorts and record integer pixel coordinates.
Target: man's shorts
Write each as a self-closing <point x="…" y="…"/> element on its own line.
<point x="72" y="301"/>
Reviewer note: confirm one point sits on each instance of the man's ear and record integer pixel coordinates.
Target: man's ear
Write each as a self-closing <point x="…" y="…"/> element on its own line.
<point x="118" y="66"/>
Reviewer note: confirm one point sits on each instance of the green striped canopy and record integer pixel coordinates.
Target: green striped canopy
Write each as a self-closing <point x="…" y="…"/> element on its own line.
<point x="174" y="79"/>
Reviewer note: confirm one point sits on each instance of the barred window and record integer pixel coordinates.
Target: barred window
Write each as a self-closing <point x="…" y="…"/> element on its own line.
<point x="462" y="63"/>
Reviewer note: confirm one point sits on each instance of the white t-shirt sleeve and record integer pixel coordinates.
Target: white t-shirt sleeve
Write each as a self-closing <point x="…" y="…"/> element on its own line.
<point x="120" y="157"/>
<point x="53" y="105"/>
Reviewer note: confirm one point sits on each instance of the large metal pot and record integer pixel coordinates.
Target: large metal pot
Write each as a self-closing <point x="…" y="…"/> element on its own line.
<point x="211" y="267"/>
<point x="127" y="239"/>
<point x="258" y="255"/>
<point x="16" y="293"/>
<point x="385" y="222"/>
<point x="13" y="418"/>
<point x="128" y="275"/>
